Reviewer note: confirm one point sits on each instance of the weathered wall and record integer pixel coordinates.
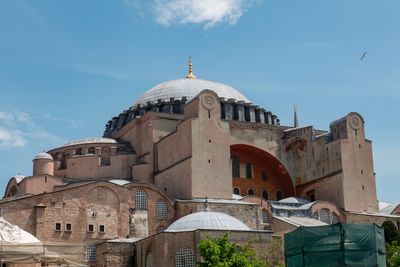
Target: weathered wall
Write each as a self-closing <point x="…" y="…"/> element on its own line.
<point x="97" y="203"/>
<point x="112" y="254"/>
<point x="248" y="213"/>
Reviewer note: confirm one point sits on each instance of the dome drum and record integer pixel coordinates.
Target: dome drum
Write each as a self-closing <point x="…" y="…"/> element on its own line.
<point x="230" y="110"/>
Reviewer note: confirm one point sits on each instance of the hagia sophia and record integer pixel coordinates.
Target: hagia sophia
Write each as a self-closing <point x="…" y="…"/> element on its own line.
<point x="191" y="158"/>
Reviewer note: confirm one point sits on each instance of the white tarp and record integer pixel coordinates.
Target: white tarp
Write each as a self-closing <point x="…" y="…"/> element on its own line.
<point x="10" y="233"/>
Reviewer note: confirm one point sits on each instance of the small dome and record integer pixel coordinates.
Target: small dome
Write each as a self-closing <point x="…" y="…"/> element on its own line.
<point x="91" y="140"/>
<point x="43" y="155"/>
<point x="207" y="220"/>
<point x="189" y="88"/>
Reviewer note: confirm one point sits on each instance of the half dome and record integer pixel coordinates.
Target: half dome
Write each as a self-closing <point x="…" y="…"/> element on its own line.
<point x="207" y="220"/>
<point x="189" y="88"/>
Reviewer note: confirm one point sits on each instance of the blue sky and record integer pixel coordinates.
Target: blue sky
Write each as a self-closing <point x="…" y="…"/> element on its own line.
<point x="67" y="67"/>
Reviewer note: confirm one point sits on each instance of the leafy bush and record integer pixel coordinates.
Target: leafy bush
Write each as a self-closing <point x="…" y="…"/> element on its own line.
<point x="219" y="252"/>
<point x="393" y="254"/>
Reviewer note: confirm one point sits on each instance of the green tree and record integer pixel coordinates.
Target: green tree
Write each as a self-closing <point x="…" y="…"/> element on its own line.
<point x="219" y="252"/>
<point x="391" y="232"/>
<point x="393" y="254"/>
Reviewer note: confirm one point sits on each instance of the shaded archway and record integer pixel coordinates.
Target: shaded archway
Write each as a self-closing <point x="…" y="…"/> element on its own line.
<point x="256" y="169"/>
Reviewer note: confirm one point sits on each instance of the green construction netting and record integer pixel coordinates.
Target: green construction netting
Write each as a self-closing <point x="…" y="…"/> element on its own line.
<point x="336" y="245"/>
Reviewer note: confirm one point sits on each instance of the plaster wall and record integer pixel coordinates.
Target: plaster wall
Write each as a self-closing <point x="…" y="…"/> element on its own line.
<point x="359" y="181"/>
<point x="176" y="181"/>
<point x="89" y="167"/>
<point x="39" y="184"/>
<point x="329" y="188"/>
<point x="211" y="173"/>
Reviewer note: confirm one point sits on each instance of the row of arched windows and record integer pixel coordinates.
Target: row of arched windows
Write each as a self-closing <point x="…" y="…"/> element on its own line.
<point x="252" y="192"/>
<point x="184" y="258"/>
<point x="141" y="202"/>
<point x="326" y="216"/>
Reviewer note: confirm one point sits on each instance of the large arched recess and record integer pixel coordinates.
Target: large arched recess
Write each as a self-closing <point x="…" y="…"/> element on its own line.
<point x="276" y="179"/>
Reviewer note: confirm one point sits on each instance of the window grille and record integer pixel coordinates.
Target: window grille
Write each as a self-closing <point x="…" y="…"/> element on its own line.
<point x="90" y="253"/>
<point x="325" y="216"/>
<point x="236" y="191"/>
<point x="265" y="217"/>
<point x="149" y="260"/>
<point x="161" y="209"/>
<point x="265" y="195"/>
<point x="185" y="258"/>
<point x="315" y="216"/>
<point x="141" y="200"/>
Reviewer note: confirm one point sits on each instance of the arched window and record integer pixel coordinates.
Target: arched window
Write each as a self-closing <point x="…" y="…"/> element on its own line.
<point x="185" y="258"/>
<point x="265" y="195"/>
<point x="235" y="166"/>
<point x="236" y="190"/>
<point x="149" y="260"/>
<point x="140" y="200"/>
<point x="161" y="209"/>
<point x="279" y="195"/>
<point x="324" y="216"/>
<point x="250" y="192"/>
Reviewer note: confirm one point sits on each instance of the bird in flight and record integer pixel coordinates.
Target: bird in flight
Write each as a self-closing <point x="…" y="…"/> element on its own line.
<point x="363" y="55"/>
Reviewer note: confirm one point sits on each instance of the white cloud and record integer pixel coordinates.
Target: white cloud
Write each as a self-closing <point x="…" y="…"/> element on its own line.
<point x="11" y="138"/>
<point x="17" y="129"/>
<point x="206" y="12"/>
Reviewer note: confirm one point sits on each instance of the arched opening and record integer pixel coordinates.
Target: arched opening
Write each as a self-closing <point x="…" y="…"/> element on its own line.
<point x="257" y="169"/>
<point x="265" y="194"/>
<point x="236" y="190"/>
<point x="91" y="150"/>
<point x="251" y="192"/>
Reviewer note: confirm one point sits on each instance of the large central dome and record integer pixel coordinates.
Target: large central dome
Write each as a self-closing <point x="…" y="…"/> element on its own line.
<point x="189" y="88"/>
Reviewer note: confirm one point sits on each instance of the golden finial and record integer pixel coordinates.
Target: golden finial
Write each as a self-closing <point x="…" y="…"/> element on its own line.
<point x="190" y="72"/>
